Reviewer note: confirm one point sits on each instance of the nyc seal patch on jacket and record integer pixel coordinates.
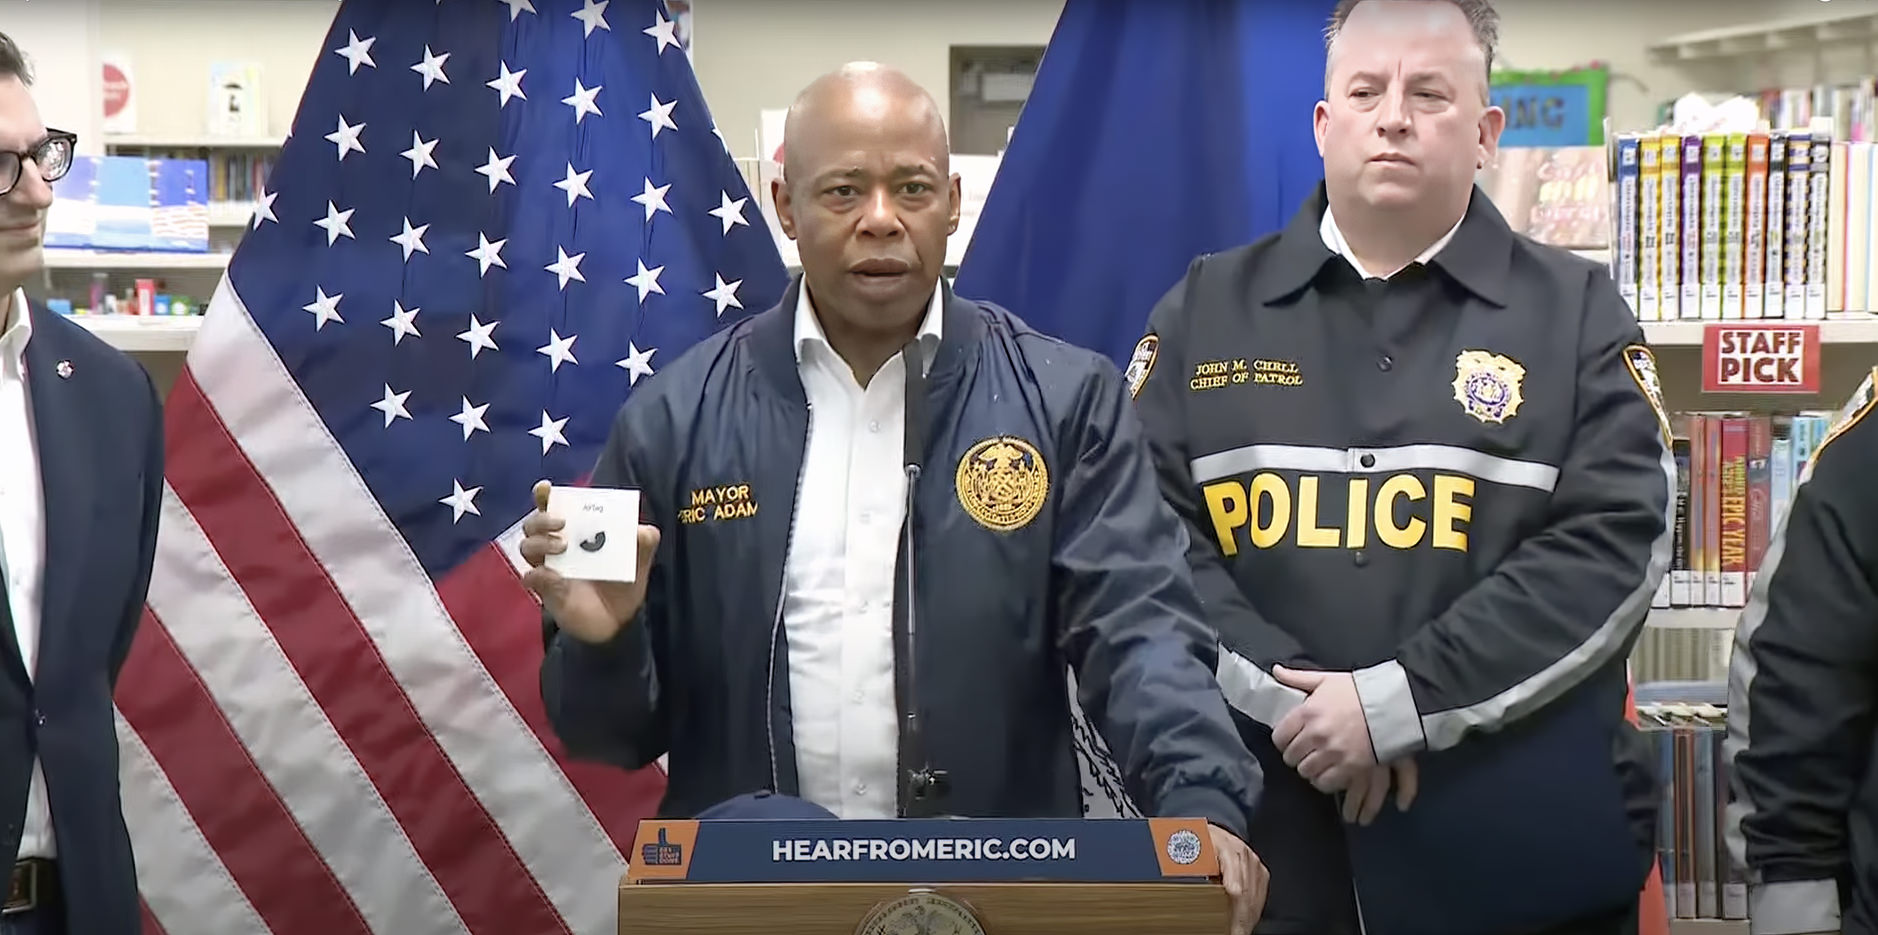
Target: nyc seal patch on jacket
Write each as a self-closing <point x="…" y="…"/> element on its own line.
<point x="1642" y="364"/>
<point x="1141" y="364"/>
<point x="1002" y="482"/>
<point x="1487" y="385"/>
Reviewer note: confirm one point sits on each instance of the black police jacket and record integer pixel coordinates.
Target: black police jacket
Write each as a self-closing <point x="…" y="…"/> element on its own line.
<point x="1455" y="483"/>
<point x="1803" y="698"/>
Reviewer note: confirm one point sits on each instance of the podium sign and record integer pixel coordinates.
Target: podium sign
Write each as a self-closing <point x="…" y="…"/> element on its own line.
<point x="970" y="875"/>
<point x="924" y="850"/>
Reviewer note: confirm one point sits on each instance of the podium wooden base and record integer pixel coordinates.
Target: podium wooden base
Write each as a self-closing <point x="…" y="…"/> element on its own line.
<point x="1001" y="908"/>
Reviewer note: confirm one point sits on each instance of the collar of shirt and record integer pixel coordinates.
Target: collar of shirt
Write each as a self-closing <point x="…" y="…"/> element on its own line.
<point x="809" y="331"/>
<point x="13" y="339"/>
<point x="1333" y="238"/>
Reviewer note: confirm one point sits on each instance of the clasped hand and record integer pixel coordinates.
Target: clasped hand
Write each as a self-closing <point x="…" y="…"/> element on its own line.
<point x="1326" y="739"/>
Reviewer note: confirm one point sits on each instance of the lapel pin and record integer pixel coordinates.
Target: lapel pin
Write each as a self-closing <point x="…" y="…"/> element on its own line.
<point x="64" y="369"/>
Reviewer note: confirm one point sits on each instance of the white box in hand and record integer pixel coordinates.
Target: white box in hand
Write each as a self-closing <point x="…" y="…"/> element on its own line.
<point x="602" y="533"/>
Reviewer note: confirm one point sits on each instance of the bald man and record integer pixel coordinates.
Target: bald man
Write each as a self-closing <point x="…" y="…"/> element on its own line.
<point x="764" y="645"/>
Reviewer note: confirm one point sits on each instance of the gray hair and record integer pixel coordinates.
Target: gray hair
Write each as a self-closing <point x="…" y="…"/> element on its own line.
<point x="13" y="62"/>
<point x="1482" y="18"/>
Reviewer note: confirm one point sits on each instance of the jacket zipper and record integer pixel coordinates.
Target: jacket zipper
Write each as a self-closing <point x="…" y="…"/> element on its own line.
<point x="775" y="627"/>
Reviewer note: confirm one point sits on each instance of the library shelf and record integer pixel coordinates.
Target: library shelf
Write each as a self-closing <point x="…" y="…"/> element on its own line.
<point x="1708" y="927"/>
<point x="71" y="258"/>
<point x="145" y="333"/>
<point x="1693" y="618"/>
<point x="1849" y="328"/>
<point x="1756" y="39"/>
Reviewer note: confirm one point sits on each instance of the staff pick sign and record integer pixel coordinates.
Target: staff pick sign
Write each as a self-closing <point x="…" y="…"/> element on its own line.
<point x="1760" y="358"/>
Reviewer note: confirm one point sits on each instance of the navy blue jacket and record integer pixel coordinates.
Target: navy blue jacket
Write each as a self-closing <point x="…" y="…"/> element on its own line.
<point x="99" y="433"/>
<point x="1095" y="580"/>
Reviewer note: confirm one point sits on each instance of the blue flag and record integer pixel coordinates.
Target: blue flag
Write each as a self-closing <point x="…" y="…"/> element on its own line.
<point x="1155" y="132"/>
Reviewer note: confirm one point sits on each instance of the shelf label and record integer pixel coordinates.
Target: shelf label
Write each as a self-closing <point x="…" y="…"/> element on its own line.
<point x="1764" y="357"/>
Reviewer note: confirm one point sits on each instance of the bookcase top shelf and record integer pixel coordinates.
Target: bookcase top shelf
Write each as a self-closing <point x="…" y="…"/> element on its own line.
<point x="1765" y="37"/>
<point x="190" y="141"/>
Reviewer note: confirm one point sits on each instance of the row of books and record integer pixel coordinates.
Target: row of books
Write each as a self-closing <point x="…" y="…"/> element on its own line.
<point x="130" y="203"/>
<point x="233" y="175"/>
<point x="1731" y="226"/>
<point x="1684" y="654"/>
<point x="1852" y="107"/>
<point x="1735" y="474"/>
<point x="1700" y="879"/>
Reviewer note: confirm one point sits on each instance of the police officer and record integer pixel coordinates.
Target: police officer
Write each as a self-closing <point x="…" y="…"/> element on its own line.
<point x="1802" y="696"/>
<point x="1426" y="470"/>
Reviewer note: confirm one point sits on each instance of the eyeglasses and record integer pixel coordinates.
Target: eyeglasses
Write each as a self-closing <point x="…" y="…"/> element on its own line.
<point x="53" y="156"/>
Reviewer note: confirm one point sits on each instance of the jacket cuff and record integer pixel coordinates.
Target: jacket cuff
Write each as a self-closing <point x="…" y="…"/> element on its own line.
<point x="1206" y="802"/>
<point x="1252" y="691"/>
<point x="1793" y="907"/>
<point x="627" y="649"/>
<point x="1395" y="726"/>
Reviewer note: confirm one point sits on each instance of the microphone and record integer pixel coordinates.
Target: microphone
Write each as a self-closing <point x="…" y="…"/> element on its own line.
<point x="924" y="785"/>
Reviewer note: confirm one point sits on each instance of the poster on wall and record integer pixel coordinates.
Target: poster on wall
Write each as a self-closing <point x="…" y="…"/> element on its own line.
<point x="120" y="94"/>
<point x="1552" y="108"/>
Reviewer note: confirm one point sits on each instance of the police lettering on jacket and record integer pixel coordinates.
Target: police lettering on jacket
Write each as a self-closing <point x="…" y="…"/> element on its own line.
<point x="1399" y="511"/>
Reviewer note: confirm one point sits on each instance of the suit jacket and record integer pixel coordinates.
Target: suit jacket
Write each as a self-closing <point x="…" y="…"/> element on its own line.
<point x="99" y="430"/>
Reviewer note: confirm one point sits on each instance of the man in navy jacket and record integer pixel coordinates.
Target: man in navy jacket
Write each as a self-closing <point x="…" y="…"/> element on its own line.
<point x="762" y="645"/>
<point x="81" y="479"/>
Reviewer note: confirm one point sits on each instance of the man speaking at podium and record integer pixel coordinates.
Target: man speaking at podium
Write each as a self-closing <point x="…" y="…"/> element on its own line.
<point x="769" y="646"/>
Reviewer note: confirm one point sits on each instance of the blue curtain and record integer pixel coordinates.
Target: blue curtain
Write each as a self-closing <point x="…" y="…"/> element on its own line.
<point x="1155" y="132"/>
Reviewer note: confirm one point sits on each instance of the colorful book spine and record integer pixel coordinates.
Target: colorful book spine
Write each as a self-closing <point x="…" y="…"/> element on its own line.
<point x="1678" y="577"/>
<point x="1760" y="491"/>
<point x="1799" y="200"/>
<point x="1714" y="188"/>
<point x="1819" y="208"/>
<point x="1649" y="203"/>
<point x="1775" y="294"/>
<point x="1692" y="224"/>
<point x="1713" y="520"/>
<point x="1754" y="232"/>
<point x="1669" y="213"/>
<point x="1733" y="232"/>
<point x="1626" y="253"/>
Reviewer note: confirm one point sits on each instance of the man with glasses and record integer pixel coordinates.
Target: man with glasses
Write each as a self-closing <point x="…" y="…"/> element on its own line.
<point x="81" y="478"/>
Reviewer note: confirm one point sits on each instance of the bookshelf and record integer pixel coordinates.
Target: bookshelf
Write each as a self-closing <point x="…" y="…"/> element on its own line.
<point x="1760" y="39"/>
<point x="144" y="334"/>
<point x="1708" y="927"/>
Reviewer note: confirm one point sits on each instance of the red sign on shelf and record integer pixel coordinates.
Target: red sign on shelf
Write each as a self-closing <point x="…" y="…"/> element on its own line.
<point x="1760" y="357"/>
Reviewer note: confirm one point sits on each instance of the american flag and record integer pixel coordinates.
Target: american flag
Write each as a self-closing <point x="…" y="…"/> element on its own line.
<point x="492" y="219"/>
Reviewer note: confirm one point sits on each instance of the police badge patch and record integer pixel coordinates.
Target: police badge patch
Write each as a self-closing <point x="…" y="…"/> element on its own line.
<point x="1002" y="482"/>
<point x="1642" y="364"/>
<point x="1855" y="410"/>
<point x="1141" y="364"/>
<point x="1487" y="385"/>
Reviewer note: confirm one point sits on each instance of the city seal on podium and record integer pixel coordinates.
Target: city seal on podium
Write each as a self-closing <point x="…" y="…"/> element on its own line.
<point x="921" y="912"/>
<point x="1002" y="482"/>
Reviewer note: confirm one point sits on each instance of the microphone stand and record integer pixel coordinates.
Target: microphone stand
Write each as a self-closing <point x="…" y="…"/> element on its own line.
<point x="925" y="786"/>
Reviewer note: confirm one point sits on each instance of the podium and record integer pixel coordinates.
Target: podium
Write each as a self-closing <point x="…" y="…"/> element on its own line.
<point x="933" y="876"/>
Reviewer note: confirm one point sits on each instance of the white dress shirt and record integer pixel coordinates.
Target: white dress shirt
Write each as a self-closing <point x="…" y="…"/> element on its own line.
<point x="1333" y="238"/>
<point x="838" y="598"/>
<point x="22" y="536"/>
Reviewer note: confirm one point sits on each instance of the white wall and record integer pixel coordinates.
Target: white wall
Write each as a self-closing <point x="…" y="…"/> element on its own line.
<point x="755" y="54"/>
<point x="59" y="39"/>
<point x="172" y="43"/>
